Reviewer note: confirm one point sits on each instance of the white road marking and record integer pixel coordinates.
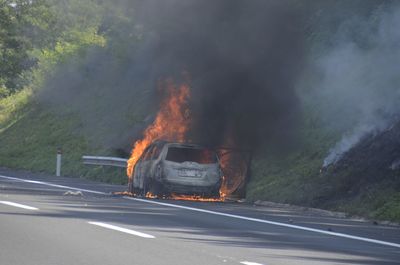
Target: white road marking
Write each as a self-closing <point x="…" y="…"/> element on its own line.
<point x="269" y="222"/>
<point x="121" y="229"/>
<point x="53" y="185"/>
<point x="220" y="214"/>
<point x="250" y="263"/>
<point x="26" y="207"/>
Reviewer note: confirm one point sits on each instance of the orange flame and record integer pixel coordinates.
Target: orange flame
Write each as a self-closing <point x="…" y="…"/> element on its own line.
<point x="171" y="123"/>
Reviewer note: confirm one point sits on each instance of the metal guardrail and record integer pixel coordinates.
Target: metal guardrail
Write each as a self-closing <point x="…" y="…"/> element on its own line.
<point x="104" y="161"/>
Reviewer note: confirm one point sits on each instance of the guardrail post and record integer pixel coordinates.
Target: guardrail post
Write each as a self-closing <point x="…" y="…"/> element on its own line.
<point x="58" y="164"/>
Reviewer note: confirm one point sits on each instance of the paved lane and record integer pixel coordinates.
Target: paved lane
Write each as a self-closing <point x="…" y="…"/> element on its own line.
<point x="62" y="231"/>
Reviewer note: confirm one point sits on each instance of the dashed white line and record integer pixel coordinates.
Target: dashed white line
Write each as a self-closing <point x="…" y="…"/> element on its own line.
<point x="26" y="207"/>
<point x="121" y="229"/>
<point x="220" y="214"/>
<point x="250" y="263"/>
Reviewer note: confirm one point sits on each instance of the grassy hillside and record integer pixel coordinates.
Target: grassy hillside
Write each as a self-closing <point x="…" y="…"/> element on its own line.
<point x="361" y="183"/>
<point x="30" y="135"/>
<point x="294" y="176"/>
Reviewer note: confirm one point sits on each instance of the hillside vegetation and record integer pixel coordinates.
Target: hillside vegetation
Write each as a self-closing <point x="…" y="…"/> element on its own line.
<point x="71" y="77"/>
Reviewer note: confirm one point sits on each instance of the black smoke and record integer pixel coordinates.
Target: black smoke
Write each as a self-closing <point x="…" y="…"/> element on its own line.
<point x="243" y="58"/>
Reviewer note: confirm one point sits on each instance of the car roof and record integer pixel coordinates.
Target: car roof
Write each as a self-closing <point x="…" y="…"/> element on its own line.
<point x="178" y="144"/>
<point x="186" y="145"/>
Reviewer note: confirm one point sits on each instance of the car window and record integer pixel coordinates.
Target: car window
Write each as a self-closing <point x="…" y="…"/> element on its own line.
<point x="198" y="155"/>
<point x="147" y="155"/>
<point x="156" y="152"/>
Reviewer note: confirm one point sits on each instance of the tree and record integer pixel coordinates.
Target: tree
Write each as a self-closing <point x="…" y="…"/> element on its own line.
<point x="24" y="25"/>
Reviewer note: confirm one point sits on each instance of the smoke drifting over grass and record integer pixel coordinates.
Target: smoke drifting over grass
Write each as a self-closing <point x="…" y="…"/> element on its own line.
<point x="242" y="58"/>
<point x="359" y="77"/>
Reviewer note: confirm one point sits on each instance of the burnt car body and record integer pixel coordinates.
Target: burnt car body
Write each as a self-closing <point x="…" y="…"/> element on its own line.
<point x="165" y="168"/>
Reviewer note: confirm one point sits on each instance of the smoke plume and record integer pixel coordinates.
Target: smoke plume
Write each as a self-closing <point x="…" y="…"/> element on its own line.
<point x="242" y="59"/>
<point x="359" y="86"/>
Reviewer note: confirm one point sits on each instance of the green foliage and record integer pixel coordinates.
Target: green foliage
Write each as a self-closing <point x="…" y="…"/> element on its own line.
<point x="36" y="35"/>
<point x="22" y="27"/>
<point x="63" y="52"/>
<point x="3" y="90"/>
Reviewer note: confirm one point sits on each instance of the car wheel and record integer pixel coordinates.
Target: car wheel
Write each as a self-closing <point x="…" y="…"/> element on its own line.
<point x="214" y="193"/>
<point x="138" y="192"/>
<point x="130" y="186"/>
<point x="146" y="186"/>
<point x="156" y="189"/>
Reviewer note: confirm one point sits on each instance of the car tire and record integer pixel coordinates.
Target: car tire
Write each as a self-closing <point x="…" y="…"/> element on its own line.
<point x="130" y="186"/>
<point x="156" y="189"/>
<point x="146" y="186"/>
<point x="214" y="193"/>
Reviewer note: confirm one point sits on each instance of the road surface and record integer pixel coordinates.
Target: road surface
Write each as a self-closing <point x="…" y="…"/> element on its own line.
<point x="47" y="220"/>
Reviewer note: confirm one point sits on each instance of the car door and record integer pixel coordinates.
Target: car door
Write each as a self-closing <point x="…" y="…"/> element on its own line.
<point x="154" y="166"/>
<point x="137" y="175"/>
<point x="140" y="170"/>
<point x="145" y="165"/>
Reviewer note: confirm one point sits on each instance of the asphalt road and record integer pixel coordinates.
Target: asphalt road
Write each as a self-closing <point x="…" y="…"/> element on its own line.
<point x="44" y="220"/>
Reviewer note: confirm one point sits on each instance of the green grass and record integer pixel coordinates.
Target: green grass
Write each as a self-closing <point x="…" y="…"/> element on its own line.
<point x="390" y="210"/>
<point x="12" y="108"/>
<point x="30" y="135"/>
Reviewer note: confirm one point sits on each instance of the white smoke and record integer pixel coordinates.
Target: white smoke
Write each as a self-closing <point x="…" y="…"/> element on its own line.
<point x="351" y="139"/>
<point x="360" y="78"/>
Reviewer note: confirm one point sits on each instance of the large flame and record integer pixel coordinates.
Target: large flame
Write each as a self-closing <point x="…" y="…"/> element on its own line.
<point x="171" y="123"/>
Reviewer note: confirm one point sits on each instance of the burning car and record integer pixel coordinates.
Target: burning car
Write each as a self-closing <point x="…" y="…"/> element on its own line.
<point x="166" y="168"/>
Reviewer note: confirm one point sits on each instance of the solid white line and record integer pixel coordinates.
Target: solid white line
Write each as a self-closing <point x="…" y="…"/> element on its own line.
<point x="270" y="222"/>
<point x="121" y="229"/>
<point x="26" y="207"/>
<point x="52" y="185"/>
<point x="220" y="214"/>
<point x="250" y="263"/>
